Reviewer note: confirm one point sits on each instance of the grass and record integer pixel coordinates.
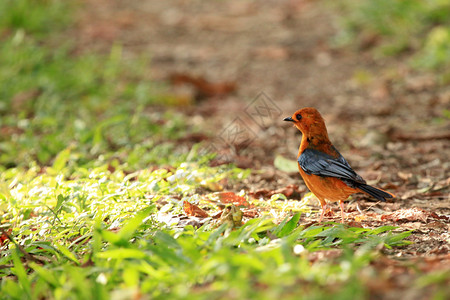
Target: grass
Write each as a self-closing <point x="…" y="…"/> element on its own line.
<point x="94" y="233"/>
<point x="419" y="29"/>
<point x="55" y="101"/>
<point x="52" y="100"/>
<point x="92" y="185"/>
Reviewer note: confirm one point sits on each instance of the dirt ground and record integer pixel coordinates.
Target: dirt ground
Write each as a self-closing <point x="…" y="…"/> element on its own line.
<point x="245" y="65"/>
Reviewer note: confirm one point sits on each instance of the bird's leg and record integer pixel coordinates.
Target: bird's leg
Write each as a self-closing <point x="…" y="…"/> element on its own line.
<point x="324" y="209"/>
<point x="341" y="204"/>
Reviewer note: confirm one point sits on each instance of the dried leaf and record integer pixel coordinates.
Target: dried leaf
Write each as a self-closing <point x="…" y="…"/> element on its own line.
<point x="204" y="88"/>
<point x="230" y="197"/>
<point x="409" y="214"/>
<point x="437" y="224"/>
<point x="4" y="236"/>
<point x="250" y="213"/>
<point x="360" y="218"/>
<point x="193" y="210"/>
<point x="405" y="176"/>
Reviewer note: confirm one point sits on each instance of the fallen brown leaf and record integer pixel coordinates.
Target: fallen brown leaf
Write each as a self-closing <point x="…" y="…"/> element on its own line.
<point x="231" y="198"/>
<point x="4" y="236"/>
<point x="204" y="88"/>
<point x="193" y="210"/>
<point x="250" y="213"/>
<point x="408" y="214"/>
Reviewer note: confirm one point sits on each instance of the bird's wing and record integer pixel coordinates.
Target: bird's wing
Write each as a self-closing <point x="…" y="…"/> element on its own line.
<point x="319" y="163"/>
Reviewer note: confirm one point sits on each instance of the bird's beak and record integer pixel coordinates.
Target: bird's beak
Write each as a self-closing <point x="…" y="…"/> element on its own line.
<point x="288" y="119"/>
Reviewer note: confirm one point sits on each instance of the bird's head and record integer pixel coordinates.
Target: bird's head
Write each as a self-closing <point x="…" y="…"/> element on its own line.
<point x="309" y="121"/>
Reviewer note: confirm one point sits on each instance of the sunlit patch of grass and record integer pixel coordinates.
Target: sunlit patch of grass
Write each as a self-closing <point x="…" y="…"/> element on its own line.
<point x="99" y="232"/>
<point x="279" y="206"/>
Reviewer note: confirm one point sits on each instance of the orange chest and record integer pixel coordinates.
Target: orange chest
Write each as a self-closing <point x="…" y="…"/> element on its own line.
<point x="319" y="182"/>
<point x="327" y="187"/>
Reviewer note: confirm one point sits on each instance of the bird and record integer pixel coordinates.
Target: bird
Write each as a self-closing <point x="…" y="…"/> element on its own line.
<point x="326" y="173"/>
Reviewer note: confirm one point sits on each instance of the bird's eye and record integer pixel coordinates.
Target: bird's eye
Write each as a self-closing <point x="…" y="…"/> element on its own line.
<point x="298" y="116"/>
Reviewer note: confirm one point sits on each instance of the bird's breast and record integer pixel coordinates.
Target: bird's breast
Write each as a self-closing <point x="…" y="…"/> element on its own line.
<point x="330" y="188"/>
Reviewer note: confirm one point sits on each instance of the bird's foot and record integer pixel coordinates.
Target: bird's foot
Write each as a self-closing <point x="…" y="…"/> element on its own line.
<point x="324" y="209"/>
<point x="341" y="204"/>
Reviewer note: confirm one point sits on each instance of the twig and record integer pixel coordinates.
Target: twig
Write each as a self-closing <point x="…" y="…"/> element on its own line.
<point x="357" y="207"/>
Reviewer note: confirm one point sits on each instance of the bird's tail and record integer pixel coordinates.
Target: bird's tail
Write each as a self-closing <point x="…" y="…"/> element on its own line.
<point x="375" y="192"/>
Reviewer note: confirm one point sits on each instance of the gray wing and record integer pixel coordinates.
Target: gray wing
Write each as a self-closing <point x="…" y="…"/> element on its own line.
<point x="318" y="163"/>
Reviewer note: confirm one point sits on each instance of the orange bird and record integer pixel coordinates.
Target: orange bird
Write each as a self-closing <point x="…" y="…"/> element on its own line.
<point x="325" y="171"/>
